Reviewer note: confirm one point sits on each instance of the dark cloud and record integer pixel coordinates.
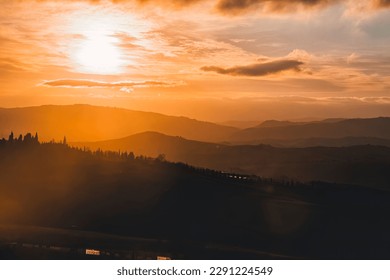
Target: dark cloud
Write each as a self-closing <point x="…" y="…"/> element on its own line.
<point x="234" y="7"/>
<point x="239" y="6"/>
<point x="258" y="69"/>
<point x="99" y="84"/>
<point x="381" y="3"/>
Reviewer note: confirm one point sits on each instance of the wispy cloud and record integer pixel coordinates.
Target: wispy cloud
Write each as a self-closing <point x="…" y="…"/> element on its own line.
<point x="235" y="7"/>
<point x="125" y="86"/>
<point x="258" y="69"/>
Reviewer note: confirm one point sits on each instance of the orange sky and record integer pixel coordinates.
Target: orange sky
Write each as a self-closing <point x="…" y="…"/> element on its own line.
<point x="207" y="59"/>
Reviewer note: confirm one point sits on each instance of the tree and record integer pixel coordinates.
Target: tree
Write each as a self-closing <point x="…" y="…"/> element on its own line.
<point x="27" y="138"/>
<point x="11" y="137"/>
<point x="161" y="157"/>
<point x="64" y="141"/>
<point x="131" y="156"/>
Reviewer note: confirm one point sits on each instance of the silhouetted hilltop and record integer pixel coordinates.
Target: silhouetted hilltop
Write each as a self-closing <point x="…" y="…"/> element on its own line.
<point x="276" y="123"/>
<point x="325" y="142"/>
<point x="361" y="165"/>
<point x="332" y="128"/>
<point x="240" y="124"/>
<point x="152" y="143"/>
<point x="92" y="123"/>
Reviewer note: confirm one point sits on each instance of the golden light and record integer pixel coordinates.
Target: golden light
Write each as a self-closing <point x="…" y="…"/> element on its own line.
<point x="96" y="46"/>
<point x="99" y="54"/>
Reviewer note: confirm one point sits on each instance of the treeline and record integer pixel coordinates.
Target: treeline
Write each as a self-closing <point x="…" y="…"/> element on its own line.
<point x="28" y="141"/>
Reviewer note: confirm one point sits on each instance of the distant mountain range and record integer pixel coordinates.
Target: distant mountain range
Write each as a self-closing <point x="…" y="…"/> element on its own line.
<point x="351" y="151"/>
<point x="92" y="123"/>
<point x="332" y="128"/>
<point x="240" y="124"/>
<point x="324" y="142"/>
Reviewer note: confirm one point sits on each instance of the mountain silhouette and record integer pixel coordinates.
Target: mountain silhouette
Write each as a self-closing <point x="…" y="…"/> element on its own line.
<point x="92" y="123"/>
<point x="332" y="128"/>
<point x="361" y="165"/>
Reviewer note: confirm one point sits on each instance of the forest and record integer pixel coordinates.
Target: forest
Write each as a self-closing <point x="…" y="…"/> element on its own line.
<point x="199" y="212"/>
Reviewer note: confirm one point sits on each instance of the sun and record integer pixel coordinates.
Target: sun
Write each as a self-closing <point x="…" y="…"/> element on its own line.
<point x="99" y="54"/>
<point x="95" y="42"/>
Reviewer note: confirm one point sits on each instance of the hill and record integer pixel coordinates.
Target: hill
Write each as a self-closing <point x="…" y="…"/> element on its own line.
<point x="92" y="123"/>
<point x="187" y="212"/>
<point x="80" y="123"/>
<point x="362" y="165"/>
<point x="325" y="142"/>
<point x="333" y="128"/>
<point x="240" y="124"/>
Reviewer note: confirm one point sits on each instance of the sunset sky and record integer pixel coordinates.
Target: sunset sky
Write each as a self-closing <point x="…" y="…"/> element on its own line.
<point x="212" y="60"/>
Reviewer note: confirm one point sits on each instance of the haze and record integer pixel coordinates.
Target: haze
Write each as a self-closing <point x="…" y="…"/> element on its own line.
<point x="205" y="59"/>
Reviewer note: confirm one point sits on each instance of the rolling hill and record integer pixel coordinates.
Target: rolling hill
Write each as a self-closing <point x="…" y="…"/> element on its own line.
<point x="332" y="128"/>
<point x="91" y="123"/>
<point x="361" y="165"/>
<point x="66" y="196"/>
<point x="80" y="123"/>
<point x="325" y="142"/>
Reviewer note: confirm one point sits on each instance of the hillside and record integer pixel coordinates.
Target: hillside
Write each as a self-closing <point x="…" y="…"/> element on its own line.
<point x="362" y="165"/>
<point x="324" y="142"/>
<point x="91" y="123"/>
<point x="80" y="123"/>
<point x="333" y="128"/>
<point x="192" y="213"/>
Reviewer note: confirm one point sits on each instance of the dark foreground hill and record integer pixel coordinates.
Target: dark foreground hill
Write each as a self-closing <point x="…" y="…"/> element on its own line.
<point x="92" y="123"/>
<point x="364" y="165"/>
<point x="183" y="211"/>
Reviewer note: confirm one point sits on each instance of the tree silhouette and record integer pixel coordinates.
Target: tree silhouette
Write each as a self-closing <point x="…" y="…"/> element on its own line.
<point x="11" y="137"/>
<point x="27" y="138"/>
<point x="161" y="157"/>
<point x="131" y="156"/>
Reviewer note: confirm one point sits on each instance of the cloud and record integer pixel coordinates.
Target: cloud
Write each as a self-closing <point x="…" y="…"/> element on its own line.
<point x="125" y="86"/>
<point x="381" y="3"/>
<point x="240" y="6"/>
<point x="8" y="67"/>
<point x="163" y="3"/>
<point x="13" y="65"/>
<point x="258" y="69"/>
<point x="236" y="7"/>
<point x="175" y="3"/>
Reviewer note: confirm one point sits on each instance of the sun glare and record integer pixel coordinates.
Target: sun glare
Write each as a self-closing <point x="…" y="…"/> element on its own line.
<point x="96" y="47"/>
<point x="99" y="54"/>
